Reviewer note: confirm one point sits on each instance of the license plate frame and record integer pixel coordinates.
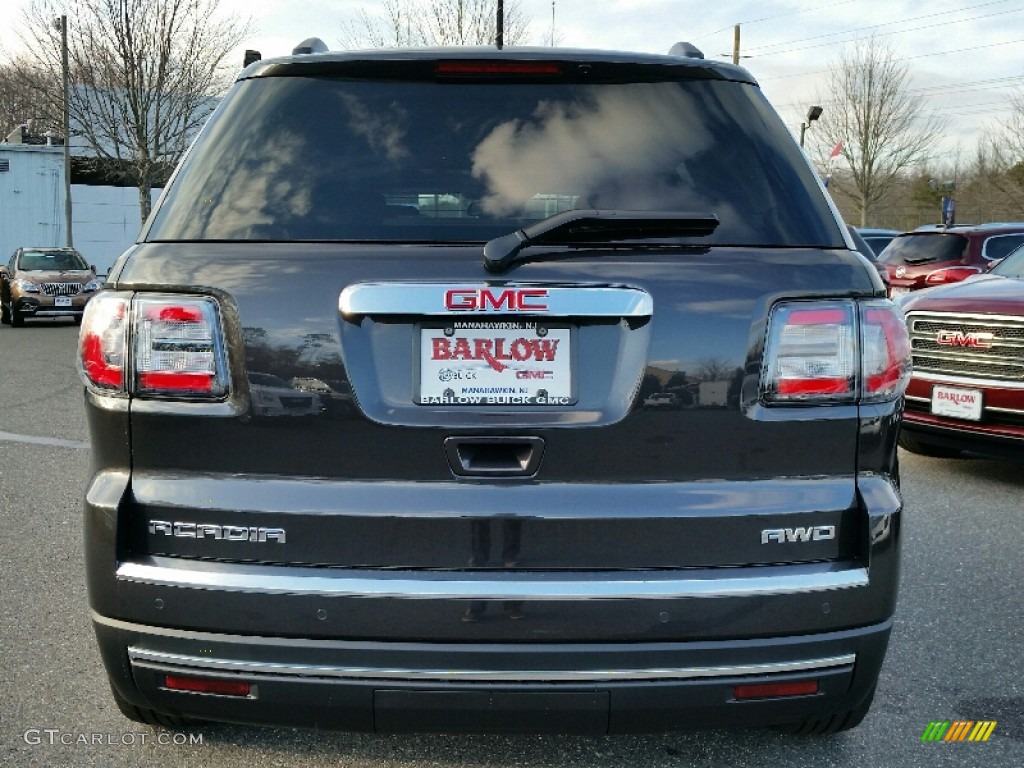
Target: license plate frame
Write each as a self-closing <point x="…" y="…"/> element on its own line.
<point x="495" y="363"/>
<point x="957" y="402"/>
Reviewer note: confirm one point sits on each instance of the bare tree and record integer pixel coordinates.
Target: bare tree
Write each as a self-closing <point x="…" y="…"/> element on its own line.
<point x="1002" y="155"/>
<point x="25" y="98"/>
<point x="145" y="75"/>
<point x="435" y="22"/>
<point x="883" y="126"/>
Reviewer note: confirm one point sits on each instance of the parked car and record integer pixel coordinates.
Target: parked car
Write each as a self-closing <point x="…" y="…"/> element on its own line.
<point x="663" y="400"/>
<point x="45" y="282"/>
<point x="273" y="396"/>
<point x="928" y="257"/>
<point x="967" y="390"/>
<point x="495" y="249"/>
<point x="877" y="239"/>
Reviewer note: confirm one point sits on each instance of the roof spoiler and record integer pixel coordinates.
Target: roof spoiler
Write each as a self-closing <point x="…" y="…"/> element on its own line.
<point x="686" y="50"/>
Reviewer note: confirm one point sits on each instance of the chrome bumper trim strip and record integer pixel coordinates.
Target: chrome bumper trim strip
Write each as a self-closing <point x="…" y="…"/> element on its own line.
<point x="766" y="580"/>
<point x="177" y="661"/>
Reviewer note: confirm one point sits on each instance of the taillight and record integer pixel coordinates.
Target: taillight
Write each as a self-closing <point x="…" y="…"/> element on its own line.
<point x="102" y="343"/>
<point x="835" y="352"/>
<point x="176" y="344"/>
<point x="811" y="353"/>
<point x="885" y="352"/>
<point x="951" y="275"/>
<point x="178" y="347"/>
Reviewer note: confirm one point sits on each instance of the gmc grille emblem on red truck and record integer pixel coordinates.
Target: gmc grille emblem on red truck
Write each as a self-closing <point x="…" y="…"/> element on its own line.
<point x="485" y="300"/>
<point x="961" y="339"/>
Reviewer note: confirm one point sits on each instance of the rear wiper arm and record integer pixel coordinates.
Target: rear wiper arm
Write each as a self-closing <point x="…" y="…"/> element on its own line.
<point x="596" y="226"/>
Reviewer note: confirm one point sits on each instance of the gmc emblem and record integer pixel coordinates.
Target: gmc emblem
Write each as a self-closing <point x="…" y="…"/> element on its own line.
<point x="978" y="340"/>
<point x="484" y="300"/>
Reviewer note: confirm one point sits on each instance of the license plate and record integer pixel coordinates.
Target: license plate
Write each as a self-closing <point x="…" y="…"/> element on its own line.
<point x="897" y="290"/>
<point x="957" y="403"/>
<point x="496" y="363"/>
<point x="62" y="301"/>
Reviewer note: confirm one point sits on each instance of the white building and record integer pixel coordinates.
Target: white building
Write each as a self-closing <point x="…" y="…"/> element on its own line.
<point x="105" y="220"/>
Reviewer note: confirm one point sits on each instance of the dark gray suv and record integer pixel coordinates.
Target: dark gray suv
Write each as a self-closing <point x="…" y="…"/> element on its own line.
<point x="483" y="264"/>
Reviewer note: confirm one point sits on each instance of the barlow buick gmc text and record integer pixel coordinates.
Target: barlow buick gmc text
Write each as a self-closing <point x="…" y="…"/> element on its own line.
<point x="367" y="408"/>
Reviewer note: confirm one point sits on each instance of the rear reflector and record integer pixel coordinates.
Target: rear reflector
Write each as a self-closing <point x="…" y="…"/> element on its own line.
<point x="775" y="690"/>
<point x="207" y="685"/>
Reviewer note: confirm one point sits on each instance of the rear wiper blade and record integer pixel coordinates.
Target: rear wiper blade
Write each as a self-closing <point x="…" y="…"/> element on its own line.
<point x="596" y="226"/>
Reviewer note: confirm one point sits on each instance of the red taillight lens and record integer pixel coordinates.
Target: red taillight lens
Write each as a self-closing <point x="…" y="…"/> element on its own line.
<point x="178" y="347"/>
<point x="775" y="690"/>
<point x="951" y="275"/>
<point x="885" y="352"/>
<point x="207" y="685"/>
<point x="821" y="352"/>
<point x="102" y="341"/>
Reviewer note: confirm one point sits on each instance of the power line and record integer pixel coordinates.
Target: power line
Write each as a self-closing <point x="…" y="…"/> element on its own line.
<point x="776" y="16"/>
<point x="900" y="58"/>
<point x="875" y="26"/>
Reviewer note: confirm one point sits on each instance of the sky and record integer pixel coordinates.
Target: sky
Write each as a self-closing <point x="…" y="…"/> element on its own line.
<point x="965" y="58"/>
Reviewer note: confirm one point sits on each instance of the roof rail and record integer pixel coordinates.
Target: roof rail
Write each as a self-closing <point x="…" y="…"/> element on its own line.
<point x="688" y="50"/>
<point x="310" y="45"/>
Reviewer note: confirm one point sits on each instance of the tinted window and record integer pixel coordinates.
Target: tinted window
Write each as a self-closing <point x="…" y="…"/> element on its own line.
<point x="323" y="158"/>
<point x="998" y="246"/>
<point x="924" y="248"/>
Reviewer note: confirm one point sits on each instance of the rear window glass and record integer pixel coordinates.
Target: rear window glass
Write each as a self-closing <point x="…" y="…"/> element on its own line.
<point x="924" y="249"/>
<point x="331" y="158"/>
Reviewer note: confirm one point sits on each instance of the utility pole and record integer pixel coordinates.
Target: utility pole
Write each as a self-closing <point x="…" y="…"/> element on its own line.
<point x="500" y="37"/>
<point x="736" y="44"/>
<point x="63" y="22"/>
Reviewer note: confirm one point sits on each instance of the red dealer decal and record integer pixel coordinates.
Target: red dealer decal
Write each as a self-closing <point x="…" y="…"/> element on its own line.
<point x="494" y="351"/>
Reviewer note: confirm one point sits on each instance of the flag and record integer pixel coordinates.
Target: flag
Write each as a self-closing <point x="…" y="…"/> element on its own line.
<point x="836" y="149"/>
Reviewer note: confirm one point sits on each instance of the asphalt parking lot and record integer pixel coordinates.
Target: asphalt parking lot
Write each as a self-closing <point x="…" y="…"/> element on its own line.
<point x="956" y="654"/>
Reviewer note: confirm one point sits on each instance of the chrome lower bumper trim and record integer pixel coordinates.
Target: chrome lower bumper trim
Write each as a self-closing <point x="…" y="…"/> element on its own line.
<point x="178" y="661"/>
<point x="522" y="585"/>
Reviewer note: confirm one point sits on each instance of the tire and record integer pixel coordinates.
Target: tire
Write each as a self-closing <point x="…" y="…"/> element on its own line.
<point x="17" y="321"/>
<point x="841" y="721"/>
<point x="148" y="716"/>
<point x="924" y="448"/>
<point x="3" y="314"/>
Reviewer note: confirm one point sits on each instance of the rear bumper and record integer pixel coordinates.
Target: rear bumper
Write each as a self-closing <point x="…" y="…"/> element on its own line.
<point x="491" y="687"/>
<point x="999" y="433"/>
